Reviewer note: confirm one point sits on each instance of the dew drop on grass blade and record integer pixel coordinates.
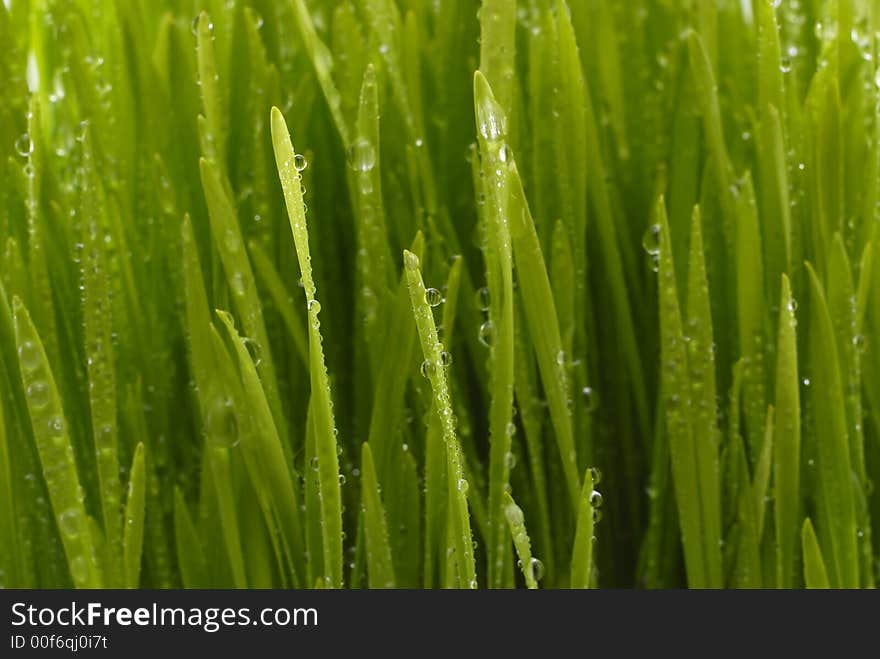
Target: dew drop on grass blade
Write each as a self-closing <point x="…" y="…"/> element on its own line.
<point x="521" y="542"/>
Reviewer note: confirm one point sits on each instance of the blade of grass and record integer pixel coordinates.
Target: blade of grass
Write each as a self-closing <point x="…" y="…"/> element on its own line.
<point x="133" y="532"/>
<point x="55" y="451"/>
<point x="787" y="456"/>
<point x="521" y="541"/>
<point x="582" y="552"/>
<point x="379" y="566"/>
<point x="321" y="404"/>
<point x="457" y="486"/>
<point x="815" y="574"/>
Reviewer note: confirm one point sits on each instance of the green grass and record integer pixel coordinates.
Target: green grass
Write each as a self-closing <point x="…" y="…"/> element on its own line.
<point x="553" y="293"/>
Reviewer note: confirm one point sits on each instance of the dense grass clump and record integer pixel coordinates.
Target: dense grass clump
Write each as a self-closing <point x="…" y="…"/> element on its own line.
<point x="403" y="293"/>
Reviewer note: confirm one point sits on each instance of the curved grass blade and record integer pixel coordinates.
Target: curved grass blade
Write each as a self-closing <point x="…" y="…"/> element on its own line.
<point x="55" y="451"/>
<point x="457" y="486"/>
<point x="582" y="553"/>
<point x="133" y="533"/>
<point x="321" y="403"/>
<point x="521" y="542"/>
<point x="379" y="566"/>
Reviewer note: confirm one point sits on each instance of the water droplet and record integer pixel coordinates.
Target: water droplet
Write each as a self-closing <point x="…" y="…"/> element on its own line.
<point x="433" y="297"/>
<point x="462" y="485"/>
<point x="314" y="306"/>
<point x="237" y="284"/>
<point x="785" y="64"/>
<point x="860" y="342"/>
<point x="651" y="240"/>
<point x="24" y="145"/>
<point x="79" y="569"/>
<point x="427" y="368"/>
<point x="504" y="153"/>
<point x="792" y="305"/>
<point x="342" y="479"/>
<point x="596" y="475"/>
<point x="537" y="569"/>
<point x="70" y="522"/>
<point x="806" y="382"/>
<point x="596" y="499"/>
<point x="38" y="394"/>
<point x="597" y="515"/>
<point x="445" y="358"/>
<point x="255" y="350"/>
<point x="300" y="162"/>
<point x="221" y="423"/>
<point x="313" y="462"/>
<point x="514" y="514"/>
<point x="509" y="460"/>
<point x="28" y="355"/>
<point x="591" y="399"/>
<point x="362" y="155"/>
<point x="487" y="333"/>
<point x="492" y="126"/>
<point x="410" y="260"/>
<point x="484" y="298"/>
<point x="56" y="424"/>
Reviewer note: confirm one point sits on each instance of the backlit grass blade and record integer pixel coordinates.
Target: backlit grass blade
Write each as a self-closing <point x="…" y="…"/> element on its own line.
<point x="133" y="532"/>
<point x="815" y="574"/>
<point x="271" y="479"/>
<point x="543" y="325"/>
<point x="521" y="542"/>
<point x="582" y="553"/>
<point x="676" y="393"/>
<point x="379" y="566"/>
<point x="494" y="151"/>
<point x="751" y="313"/>
<point x="321" y="403"/>
<point x="100" y="363"/>
<point x="390" y="386"/>
<point x="787" y="454"/>
<point x="240" y="278"/>
<point x="837" y="511"/>
<point x="54" y="447"/>
<point x="435" y="368"/>
<point x="704" y="414"/>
